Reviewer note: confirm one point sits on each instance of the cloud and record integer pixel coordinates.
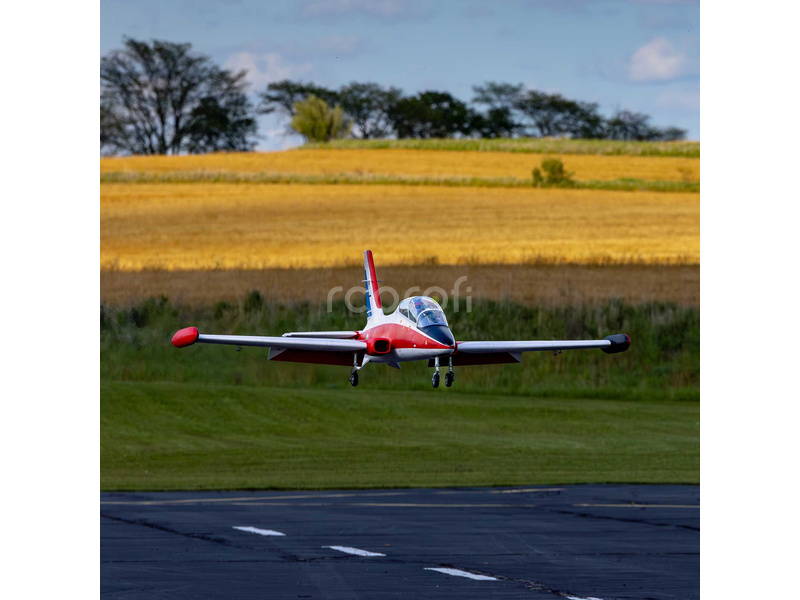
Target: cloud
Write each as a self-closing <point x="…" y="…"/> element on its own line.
<point x="267" y="68"/>
<point x="383" y="9"/>
<point x="658" y="60"/>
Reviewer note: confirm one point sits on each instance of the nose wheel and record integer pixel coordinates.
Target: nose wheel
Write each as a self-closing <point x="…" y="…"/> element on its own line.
<point x="354" y="372"/>
<point x="450" y="376"/>
<point x="435" y="379"/>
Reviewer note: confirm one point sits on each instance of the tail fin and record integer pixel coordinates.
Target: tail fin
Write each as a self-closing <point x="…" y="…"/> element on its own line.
<point x="371" y="284"/>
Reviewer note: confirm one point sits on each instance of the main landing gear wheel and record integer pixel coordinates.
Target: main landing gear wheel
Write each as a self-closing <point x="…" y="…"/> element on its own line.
<point x="435" y="380"/>
<point x="354" y="378"/>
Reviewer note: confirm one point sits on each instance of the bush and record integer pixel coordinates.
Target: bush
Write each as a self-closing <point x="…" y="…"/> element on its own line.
<point x="253" y="301"/>
<point x="318" y="122"/>
<point x="555" y="175"/>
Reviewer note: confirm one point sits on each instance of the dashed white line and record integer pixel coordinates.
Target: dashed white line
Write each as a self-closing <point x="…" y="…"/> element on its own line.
<point x="249" y="529"/>
<point x="356" y="551"/>
<point x="580" y="598"/>
<point x="459" y="573"/>
<point x="526" y="491"/>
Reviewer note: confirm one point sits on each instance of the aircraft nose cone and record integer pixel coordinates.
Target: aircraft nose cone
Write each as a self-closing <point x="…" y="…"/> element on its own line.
<point x="441" y="334"/>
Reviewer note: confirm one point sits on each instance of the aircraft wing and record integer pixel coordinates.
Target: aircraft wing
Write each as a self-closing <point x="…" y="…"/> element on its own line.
<point x="487" y="353"/>
<point x="339" y="335"/>
<point x="190" y="335"/>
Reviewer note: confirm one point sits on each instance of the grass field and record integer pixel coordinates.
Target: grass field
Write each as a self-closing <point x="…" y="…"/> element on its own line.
<point x="663" y="363"/>
<point x="623" y="185"/>
<point x="208" y="226"/>
<point x="528" y="145"/>
<point x="167" y="436"/>
<point x="442" y="165"/>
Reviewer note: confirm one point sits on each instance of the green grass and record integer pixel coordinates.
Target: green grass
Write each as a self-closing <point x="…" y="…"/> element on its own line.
<point x="350" y="178"/>
<point x="527" y="145"/>
<point x="663" y="362"/>
<point x="208" y="417"/>
<point x="159" y="435"/>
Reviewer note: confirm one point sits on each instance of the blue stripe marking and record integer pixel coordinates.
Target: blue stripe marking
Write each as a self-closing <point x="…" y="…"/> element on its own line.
<point x="366" y="285"/>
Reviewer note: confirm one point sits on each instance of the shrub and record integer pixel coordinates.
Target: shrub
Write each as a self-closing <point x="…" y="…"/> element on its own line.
<point x="253" y="301"/>
<point x="555" y="175"/>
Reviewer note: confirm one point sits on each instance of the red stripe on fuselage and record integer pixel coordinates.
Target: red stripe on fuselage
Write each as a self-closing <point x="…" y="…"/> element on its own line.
<point x="375" y="295"/>
<point x="401" y="336"/>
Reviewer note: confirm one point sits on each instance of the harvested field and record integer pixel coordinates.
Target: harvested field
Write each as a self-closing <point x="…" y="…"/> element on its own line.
<point x="252" y="226"/>
<point x="540" y="285"/>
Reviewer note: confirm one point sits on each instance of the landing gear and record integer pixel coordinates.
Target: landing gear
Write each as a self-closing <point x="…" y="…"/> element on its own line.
<point x="435" y="380"/>
<point x="450" y="376"/>
<point x="354" y="372"/>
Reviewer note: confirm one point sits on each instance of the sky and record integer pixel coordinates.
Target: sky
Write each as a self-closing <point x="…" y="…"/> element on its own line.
<point x="641" y="55"/>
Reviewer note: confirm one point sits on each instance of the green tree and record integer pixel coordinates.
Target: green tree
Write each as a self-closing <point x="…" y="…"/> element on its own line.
<point x="629" y="125"/>
<point x="153" y="95"/>
<point x="214" y="126"/>
<point x="369" y="106"/>
<point x="281" y="96"/>
<point x="432" y="114"/>
<point x="500" y="119"/>
<point x="318" y="122"/>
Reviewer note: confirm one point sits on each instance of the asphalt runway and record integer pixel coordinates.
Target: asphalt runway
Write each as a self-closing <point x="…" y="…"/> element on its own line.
<point x="579" y="542"/>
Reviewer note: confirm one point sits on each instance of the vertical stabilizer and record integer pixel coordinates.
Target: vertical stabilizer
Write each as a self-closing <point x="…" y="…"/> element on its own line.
<point x="374" y="308"/>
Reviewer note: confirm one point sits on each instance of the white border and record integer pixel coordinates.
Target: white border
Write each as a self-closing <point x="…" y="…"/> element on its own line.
<point x="51" y="291"/>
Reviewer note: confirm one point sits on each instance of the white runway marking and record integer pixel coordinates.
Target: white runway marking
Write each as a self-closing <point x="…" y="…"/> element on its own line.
<point x="528" y="491"/>
<point x="637" y="505"/>
<point x="459" y="573"/>
<point x="258" y="531"/>
<point x="580" y="598"/>
<point x="356" y="551"/>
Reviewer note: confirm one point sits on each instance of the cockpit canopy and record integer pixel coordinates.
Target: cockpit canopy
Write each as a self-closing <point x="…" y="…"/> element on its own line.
<point x="423" y="311"/>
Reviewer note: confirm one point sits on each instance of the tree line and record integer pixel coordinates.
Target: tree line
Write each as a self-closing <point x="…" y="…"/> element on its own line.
<point x="163" y="98"/>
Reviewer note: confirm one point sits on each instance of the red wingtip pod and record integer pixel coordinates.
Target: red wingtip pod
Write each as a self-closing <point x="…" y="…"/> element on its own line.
<point x="185" y="337"/>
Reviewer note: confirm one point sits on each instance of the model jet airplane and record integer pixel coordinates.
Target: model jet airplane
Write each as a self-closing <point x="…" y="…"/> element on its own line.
<point x="416" y="330"/>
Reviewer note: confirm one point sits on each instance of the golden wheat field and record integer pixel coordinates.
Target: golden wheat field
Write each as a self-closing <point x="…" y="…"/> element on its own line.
<point x="246" y="226"/>
<point x="413" y="163"/>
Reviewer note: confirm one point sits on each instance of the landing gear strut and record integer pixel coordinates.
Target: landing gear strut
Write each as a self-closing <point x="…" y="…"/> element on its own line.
<point x="450" y="376"/>
<point x="435" y="380"/>
<point x="354" y="372"/>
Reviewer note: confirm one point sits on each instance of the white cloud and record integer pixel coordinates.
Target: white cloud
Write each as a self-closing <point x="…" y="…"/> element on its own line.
<point x="267" y="68"/>
<point x="658" y="60"/>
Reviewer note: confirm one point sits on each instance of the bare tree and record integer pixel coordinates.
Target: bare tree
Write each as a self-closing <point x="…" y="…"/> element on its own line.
<point x="152" y="96"/>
